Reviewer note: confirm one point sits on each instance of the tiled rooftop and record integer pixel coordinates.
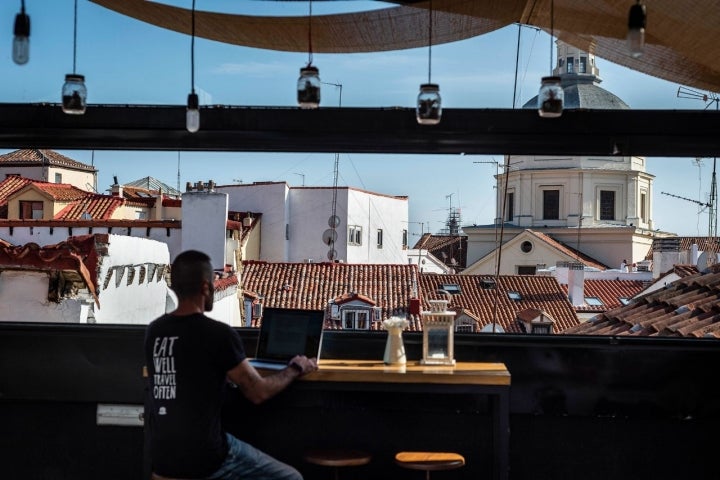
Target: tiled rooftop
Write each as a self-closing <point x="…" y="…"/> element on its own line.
<point x="31" y="156"/>
<point x="312" y="285"/>
<point x="609" y="292"/>
<point x="99" y="207"/>
<point x="9" y="186"/>
<point x="534" y="292"/>
<point x="78" y="254"/>
<point x="689" y="307"/>
<point x="450" y="249"/>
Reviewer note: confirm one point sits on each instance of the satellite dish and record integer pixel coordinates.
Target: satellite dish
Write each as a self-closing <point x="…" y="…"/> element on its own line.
<point x="333" y="221"/>
<point x="702" y="261"/>
<point x="332" y="253"/>
<point x="329" y="236"/>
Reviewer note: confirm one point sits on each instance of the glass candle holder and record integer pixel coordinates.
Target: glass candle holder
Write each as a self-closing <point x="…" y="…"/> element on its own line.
<point x="74" y="94"/>
<point x="550" y="98"/>
<point x="308" y="88"/>
<point x="429" y="104"/>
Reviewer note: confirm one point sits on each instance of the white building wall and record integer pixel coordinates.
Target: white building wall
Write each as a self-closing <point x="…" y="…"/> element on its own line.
<point x="270" y="199"/>
<point x="205" y="216"/>
<point x="294" y="220"/>
<point x="24" y="298"/>
<point x="310" y="211"/>
<point x="226" y="308"/>
<point x="136" y="303"/>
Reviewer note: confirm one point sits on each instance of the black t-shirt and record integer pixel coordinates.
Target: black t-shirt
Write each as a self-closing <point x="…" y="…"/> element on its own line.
<point x="188" y="358"/>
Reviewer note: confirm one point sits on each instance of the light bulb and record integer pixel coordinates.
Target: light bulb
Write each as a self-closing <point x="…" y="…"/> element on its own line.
<point x="636" y="30"/>
<point x="192" y="116"/>
<point x="21" y="41"/>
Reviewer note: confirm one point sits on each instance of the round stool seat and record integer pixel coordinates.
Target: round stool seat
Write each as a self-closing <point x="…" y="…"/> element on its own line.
<point x="337" y="457"/>
<point x="429" y="460"/>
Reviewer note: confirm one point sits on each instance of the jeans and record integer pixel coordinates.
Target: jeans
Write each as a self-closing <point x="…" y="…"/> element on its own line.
<point x="244" y="461"/>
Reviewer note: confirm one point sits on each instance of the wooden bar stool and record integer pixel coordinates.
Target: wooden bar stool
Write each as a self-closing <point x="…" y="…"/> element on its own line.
<point x="429" y="461"/>
<point x="337" y="458"/>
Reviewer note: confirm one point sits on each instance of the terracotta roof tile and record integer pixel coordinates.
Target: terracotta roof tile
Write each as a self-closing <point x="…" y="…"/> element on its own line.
<point x="609" y="292"/>
<point x="79" y="254"/>
<point x="99" y="207"/>
<point x="311" y="286"/>
<point x="8" y="187"/>
<point x="688" y="307"/>
<point x="450" y="249"/>
<point x="28" y="156"/>
<point x="542" y="293"/>
<point x="63" y="192"/>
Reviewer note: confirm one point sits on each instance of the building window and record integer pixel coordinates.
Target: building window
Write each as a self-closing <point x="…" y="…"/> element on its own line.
<point x="526" y="270"/>
<point x="526" y="246"/>
<point x="404" y="238"/>
<point x="354" y="235"/>
<point x="607" y="205"/>
<point x="140" y="215"/>
<point x="582" y="65"/>
<point x="515" y="296"/>
<point x="593" y="301"/>
<point x="356" y="320"/>
<point x="643" y="207"/>
<point x="58" y="178"/>
<point x="624" y="300"/>
<point x="570" y="65"/>
<point x="510" y="207"/>
<point x="31" y="210"/>
<point x="379" y="238"/>
<point x="451" y="288"/>
<point x="551" y="204"/>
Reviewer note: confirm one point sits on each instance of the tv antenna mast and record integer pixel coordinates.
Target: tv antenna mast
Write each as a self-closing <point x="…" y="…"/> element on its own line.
<point x="709" y="98"/>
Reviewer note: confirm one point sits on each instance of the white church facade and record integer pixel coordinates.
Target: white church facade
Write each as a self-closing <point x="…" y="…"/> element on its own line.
<point x="599" y="208"/>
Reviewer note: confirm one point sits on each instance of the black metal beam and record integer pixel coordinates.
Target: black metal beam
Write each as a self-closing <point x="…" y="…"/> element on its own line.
<point x="670" y="133"/>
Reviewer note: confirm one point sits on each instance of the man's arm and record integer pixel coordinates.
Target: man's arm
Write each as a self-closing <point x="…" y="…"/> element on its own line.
<point x="257" y="388"/>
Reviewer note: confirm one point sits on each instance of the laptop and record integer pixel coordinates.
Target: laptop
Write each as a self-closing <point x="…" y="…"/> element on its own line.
<point x="285" y="333"/>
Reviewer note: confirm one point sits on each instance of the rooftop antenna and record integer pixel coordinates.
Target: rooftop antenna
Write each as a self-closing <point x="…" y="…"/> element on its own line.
<point x="709" y="98"/>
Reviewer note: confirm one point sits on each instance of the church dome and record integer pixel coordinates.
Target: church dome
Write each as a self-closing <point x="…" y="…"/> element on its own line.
<point x="579" y="77"/>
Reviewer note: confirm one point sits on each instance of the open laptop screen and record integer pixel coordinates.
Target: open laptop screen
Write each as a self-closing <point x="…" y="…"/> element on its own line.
<point x="285" y="333"/>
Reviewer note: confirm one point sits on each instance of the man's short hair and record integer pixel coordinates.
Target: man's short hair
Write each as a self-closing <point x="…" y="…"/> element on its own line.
<point x="188" y="271"/>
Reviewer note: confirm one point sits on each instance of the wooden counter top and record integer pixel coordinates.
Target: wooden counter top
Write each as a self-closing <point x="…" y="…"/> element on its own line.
<point x="462" y="373"/>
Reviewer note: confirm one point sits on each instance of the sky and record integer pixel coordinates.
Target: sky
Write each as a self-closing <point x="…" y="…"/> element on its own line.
<point x="126" y="61"/>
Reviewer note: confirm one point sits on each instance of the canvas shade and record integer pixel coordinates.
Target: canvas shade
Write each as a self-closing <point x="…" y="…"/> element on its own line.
<point x="682" y="38"/>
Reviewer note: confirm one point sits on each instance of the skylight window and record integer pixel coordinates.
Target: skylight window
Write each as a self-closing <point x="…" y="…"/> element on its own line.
<point x="514" y="296"/>
<point x="593" y="301"/>
<point x="451" y="288"/>
<point x="624" y="300"/>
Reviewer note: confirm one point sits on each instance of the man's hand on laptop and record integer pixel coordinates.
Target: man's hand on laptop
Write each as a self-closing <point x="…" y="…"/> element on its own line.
<point x="303" y="365"/>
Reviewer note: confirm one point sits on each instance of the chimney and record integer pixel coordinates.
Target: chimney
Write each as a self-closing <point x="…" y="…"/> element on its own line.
<point x="116" y="190"/>
<point x="561" y="272"/>
<point x="204" y="224"/>
<point x="666" y="254"/>
<point x="576" y="284"/>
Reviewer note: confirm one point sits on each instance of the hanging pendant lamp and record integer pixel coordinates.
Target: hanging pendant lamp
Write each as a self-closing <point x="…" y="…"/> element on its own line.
<point x="21" y="39"/>
<point x="428" y="110"/>
<point x="636" y="29"/>
<point x="308" y="84"/>
<point x="192" y="113"/>
<point x="551" y="97"/>
<point x="74" y="92"/>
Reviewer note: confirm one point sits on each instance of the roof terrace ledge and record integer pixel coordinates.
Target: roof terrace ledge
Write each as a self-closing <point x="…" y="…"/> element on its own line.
<point x="663" y="133"/>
